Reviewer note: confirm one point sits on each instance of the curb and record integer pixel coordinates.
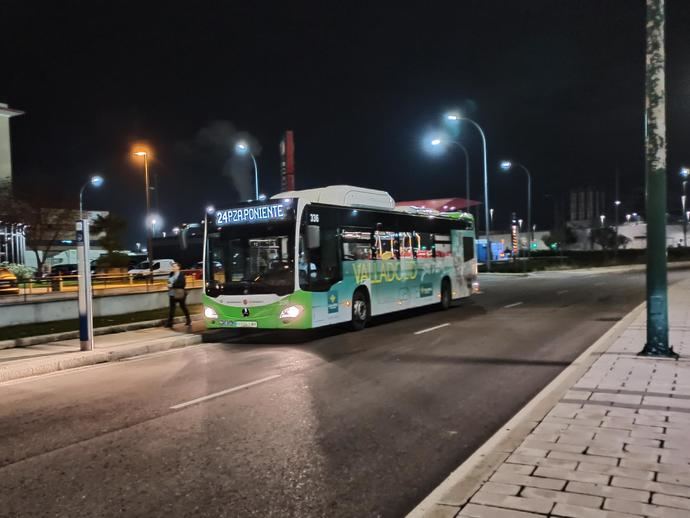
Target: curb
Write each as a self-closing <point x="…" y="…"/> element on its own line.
<point x="71" y="335"/>
<point x="83" y="359"/>
<point x="456" y="490"/>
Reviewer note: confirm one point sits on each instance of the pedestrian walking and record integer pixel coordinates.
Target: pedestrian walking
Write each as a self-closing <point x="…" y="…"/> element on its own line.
<point x="177" y="294"/>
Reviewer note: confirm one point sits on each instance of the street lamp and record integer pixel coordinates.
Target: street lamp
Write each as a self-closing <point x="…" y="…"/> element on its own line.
<point x="149" y="237"/>
<point x="684" y="172"/>
<point x="155" y="220"/>
<point x="602" y="218"/>
<point x="242" y="148"/>
<point x="507" y="165"/>
<point x="456" y="117"/>
<point x="617" y="204"/>
<point x="95" y="181"/>
<point x="438" y="142"/>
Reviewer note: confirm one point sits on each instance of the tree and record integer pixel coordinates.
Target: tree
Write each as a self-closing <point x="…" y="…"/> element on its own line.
<point x="560" y="237"/>
<point x="112" y="228"/>
<point x="45" y="227"/>
<point x="608" y="239"/>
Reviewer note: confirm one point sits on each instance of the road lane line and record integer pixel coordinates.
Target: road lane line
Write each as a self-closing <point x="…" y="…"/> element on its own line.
<point x="561" y="292"/>
<point x="513" y="305"/>
<point x="431" y="329"/>
<point x="223" y="392"/>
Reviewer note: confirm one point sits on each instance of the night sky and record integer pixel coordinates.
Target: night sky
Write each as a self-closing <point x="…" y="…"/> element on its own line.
<point x="556" y="85"/>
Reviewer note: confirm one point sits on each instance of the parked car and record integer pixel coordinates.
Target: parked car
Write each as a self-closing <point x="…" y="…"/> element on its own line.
<point x="63" y="269"/>
<point x="68" y="269"/>
<point x="8" y="282"/>
<point x="197" y="270"/>
<point x="160" y="268"/>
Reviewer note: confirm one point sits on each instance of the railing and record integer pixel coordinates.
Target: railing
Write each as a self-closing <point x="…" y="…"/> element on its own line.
<point x="67" y="286"/>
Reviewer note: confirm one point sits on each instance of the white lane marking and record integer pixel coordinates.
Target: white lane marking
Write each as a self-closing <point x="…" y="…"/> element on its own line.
<point x="561" y="292"/>
<point x="223" y="392"/>
<point x="431" y="328"/>
<point x="513" y="305"/>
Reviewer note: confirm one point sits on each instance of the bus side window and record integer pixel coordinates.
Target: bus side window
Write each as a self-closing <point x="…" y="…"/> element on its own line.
<point x="320" y="267"/>
<point x="407" y="245"/>
<point x="425" y="245"/>
<point x="386" y="245"/>
<point x="442" y="245"/>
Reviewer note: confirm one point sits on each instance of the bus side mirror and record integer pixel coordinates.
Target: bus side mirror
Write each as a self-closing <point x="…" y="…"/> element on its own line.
<point x="313" y="236"/>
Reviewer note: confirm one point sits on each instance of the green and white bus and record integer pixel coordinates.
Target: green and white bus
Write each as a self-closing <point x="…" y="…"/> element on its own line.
<point x="317" y="257"/>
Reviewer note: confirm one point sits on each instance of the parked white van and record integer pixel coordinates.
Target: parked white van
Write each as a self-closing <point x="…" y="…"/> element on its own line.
<point x="160" y="268"/>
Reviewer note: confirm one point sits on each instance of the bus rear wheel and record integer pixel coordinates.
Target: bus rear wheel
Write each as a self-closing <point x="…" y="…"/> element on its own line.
<point x="360" y="310"/>
<point x="445" y="294"/>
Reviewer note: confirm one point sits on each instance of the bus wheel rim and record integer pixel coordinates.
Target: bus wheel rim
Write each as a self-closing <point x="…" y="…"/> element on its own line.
<point x="360" y="309"/>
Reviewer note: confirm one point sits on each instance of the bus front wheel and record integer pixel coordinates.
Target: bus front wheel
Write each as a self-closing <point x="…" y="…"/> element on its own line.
<point x="360" y="310"/>
<point x="445" y="294"/>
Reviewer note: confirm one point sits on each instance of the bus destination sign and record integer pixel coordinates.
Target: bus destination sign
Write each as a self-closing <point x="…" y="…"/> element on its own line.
<point x="259" y="214"/>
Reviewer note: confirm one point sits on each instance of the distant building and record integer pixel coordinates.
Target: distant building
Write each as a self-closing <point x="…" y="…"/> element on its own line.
<point x="12" y="233"/>
<point x="586" y="205"/>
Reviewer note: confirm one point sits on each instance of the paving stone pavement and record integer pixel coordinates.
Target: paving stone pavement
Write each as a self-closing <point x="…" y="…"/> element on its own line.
<point x="616" y="445"/>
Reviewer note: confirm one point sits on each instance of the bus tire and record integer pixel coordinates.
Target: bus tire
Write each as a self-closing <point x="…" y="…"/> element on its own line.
<point x="361" y="311"/>
<point x="446" y="294"/>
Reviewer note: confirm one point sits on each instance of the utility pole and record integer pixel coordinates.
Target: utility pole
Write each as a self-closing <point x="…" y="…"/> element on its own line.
<point x="655" y="154"/>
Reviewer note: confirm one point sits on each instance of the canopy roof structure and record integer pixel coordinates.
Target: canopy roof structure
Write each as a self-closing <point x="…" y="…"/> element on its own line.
<point x="440" y="204"/>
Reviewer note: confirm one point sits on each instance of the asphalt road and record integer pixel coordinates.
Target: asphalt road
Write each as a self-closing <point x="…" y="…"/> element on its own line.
<point x="339" y="424"/>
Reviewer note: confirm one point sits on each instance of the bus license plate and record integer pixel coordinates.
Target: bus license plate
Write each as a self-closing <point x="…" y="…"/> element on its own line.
<point x="243" y="323"/>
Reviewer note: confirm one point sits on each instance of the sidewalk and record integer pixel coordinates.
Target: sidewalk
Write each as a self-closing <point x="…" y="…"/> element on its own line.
<point x="609" y="437"/>
<point x="22" y="362"/>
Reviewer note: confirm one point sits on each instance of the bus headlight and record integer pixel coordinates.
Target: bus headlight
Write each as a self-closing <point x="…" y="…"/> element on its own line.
<point x="290" y="313"/>
<point x="210" y="313"/>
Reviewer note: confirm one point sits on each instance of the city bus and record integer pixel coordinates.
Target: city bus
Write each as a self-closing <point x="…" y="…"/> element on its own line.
<point x="338" y="254"/>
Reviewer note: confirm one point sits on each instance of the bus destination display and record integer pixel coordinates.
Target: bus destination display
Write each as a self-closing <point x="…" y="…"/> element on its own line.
<point x="260" y="214"/>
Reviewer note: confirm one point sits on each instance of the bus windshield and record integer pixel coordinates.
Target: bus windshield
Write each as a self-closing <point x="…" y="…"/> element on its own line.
<point x="251" y="259"/>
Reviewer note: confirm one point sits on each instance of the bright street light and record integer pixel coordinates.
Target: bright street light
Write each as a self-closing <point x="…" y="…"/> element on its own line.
<point x="210" y="209"/>
<point x="438" y="141"/>
<point x="507" y="165"/>
<point x="95" y="181"/>
<point x="242" y="148"/>
<point x="602" y="218"/>
<point x="149" y="237"/>
<point x="457" y="117"/>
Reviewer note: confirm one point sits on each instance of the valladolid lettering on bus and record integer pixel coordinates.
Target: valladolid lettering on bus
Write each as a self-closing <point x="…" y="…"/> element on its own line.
<point x="250" y="214"/>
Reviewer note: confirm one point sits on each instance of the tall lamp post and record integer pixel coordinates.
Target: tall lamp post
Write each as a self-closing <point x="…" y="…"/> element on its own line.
<point x="95" y="181"/>
<point x="507" y="165"/>
<point x="149" y="237"/>
<point x="684" y="172"/>
<point x="617" y="203"/>
<point x="85" y="297"/>
<point x="438" y="141"/>
<point x="242" y="148"/>
<point x="456" y="117"/>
